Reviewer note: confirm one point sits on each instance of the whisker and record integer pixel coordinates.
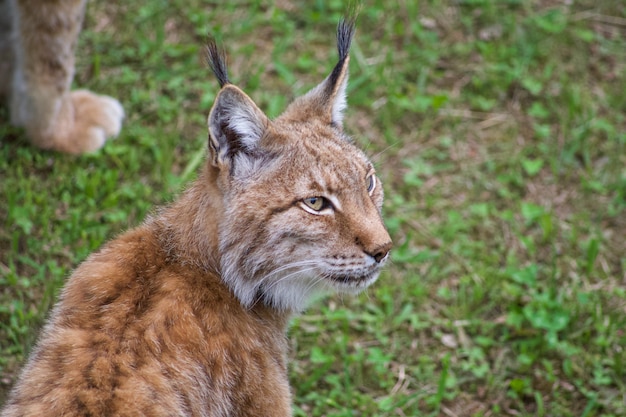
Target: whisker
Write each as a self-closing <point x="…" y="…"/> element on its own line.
<point x="377" y="155"/>
<point x="291" y="275"/>
<point x="312" y="285"/>
<point x="286" y="267"/>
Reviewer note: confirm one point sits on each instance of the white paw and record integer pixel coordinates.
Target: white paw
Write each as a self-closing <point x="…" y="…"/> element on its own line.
<point x="114" y="113"/>
<point x="96" y="118"/>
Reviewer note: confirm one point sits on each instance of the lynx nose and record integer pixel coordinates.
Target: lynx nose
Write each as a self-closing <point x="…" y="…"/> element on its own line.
<point x="380" y="252"/>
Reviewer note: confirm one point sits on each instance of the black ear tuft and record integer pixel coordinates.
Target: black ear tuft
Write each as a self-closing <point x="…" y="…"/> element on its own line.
<point x="217" y="61"/>
<point x="345" y="33"/>
<point x="327" y="100"/>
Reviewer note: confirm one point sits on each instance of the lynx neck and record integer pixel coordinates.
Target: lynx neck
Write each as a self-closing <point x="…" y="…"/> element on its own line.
<point x="188" y="228"/>
<point x="188" y="231"/>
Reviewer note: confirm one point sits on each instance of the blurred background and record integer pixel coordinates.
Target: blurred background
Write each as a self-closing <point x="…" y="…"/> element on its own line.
<point x="499" y="131"/>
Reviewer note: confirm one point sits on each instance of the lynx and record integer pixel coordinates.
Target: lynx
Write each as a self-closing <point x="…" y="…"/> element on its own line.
<point x="186" y="315"/>
<point x="37" y="43"/>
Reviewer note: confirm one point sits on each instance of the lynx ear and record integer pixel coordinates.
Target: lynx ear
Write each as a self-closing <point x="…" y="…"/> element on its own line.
<point x="328" y="99"/>
<point x="236" y="125"/>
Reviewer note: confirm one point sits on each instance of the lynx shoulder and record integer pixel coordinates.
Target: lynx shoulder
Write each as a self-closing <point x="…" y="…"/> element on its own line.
<point x="186" y="314"/>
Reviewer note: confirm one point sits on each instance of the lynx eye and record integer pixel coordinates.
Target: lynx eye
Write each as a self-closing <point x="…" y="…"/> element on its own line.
<point x="316" y="203"/>
<point x="371" y="183"/>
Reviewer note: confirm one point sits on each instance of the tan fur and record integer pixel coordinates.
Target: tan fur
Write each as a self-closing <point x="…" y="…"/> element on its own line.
<point x="186" y="314"/>
<point x="41" y="41"/>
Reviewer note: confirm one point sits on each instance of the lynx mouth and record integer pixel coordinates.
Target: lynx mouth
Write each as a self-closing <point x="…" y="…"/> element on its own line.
<point x="361" y="280"/>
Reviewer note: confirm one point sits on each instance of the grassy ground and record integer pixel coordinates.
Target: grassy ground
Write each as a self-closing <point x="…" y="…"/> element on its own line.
<point x="499" y="129"/>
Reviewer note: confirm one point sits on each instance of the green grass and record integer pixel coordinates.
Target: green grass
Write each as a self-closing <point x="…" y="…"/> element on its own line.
<point x="499" y="130"/>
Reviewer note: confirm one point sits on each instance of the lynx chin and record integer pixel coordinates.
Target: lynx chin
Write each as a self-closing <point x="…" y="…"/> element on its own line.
<point x="186" y="314"/>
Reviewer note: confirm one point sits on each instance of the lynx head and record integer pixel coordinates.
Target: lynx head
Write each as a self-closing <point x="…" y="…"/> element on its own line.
<point x="302" y="203"/>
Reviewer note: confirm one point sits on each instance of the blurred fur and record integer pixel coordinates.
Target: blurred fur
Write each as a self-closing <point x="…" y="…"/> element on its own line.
<point x="37" y="41"/>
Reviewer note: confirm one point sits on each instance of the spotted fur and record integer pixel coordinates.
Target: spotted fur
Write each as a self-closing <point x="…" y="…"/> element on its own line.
<point x="186" y="314"/>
